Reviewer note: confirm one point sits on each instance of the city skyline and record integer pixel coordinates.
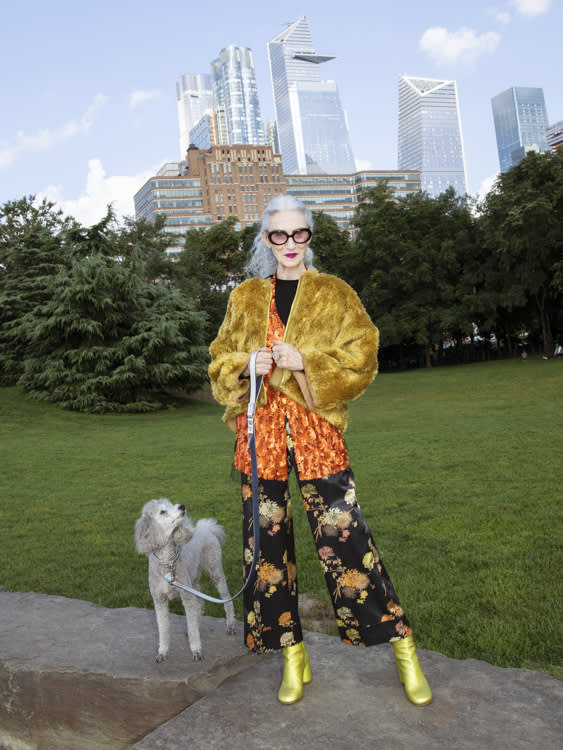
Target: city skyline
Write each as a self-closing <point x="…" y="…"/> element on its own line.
<point x="89" y="111"/>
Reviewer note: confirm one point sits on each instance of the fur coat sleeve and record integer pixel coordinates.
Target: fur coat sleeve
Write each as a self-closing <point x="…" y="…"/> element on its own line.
<point x="328" y="325"/>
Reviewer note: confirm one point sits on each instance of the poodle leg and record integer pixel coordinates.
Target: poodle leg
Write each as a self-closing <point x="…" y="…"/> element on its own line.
<point x="220" y="583"/>
<point x="163" y="623"/>
<point x="193" y="609"/>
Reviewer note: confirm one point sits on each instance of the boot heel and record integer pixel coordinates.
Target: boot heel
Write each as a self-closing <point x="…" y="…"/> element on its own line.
<point x="410" y="672"/>
<point x="307" y="674"/>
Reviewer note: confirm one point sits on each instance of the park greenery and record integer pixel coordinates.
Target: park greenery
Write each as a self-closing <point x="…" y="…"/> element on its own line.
<point x="102" y="319"/>
<point x="458" y="471"/>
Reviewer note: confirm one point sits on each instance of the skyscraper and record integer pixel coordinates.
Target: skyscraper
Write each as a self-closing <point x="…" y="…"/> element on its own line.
<point x="237" y="108"/>
<point x="430" y="138"/>
<point x="312" y="128"/>
<point x="554" y="136"/>
<point x="194" y="97"/>
<point x="520" y="123"/>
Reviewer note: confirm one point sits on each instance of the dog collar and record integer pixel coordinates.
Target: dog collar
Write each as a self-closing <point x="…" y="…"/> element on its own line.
<point x="170" y="564"/>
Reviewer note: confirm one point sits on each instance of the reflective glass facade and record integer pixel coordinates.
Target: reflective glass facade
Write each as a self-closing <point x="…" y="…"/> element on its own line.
<point x="520" y="124"/>
<point x="430" y="138"/>
<point x="194" y="98"/>
<point x="236" y="98"/>
<point x="554" y="136"/>
<point x="312" y="129"/>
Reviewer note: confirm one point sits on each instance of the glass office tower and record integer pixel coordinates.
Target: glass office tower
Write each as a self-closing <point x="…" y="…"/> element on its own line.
<point x="194" y="97"/>
<point x="430" y="137"/>
<point x="554" y="136"/>
<point x="520" y="124"/>
<point x="237" y="108"/>
<point x="312" y="128"/>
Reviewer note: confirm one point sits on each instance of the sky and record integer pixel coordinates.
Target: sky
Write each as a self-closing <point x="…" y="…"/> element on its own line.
<point x="89" y="89"/>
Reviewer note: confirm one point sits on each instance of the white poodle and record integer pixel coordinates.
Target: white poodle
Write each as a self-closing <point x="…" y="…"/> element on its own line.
<point x="178" y="549"/>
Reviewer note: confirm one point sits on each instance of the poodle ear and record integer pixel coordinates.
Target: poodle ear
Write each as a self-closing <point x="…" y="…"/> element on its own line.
<point x="184" y="532"/>
<point x="142" y="527"/>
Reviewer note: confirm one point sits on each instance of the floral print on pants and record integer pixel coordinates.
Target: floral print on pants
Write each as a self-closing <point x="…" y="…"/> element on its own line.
<point x="366" y="606"/>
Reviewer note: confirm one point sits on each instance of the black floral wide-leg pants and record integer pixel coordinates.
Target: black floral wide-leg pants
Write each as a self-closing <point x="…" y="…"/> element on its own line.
<point x="366" y="606"/>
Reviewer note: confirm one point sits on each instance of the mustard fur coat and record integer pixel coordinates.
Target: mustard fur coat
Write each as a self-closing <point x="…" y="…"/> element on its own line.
<point x="328" y="325"/>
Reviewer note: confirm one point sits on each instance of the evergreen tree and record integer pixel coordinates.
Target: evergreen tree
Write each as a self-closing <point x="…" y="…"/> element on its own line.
<point x="211" y="264"/>
<point x="31" y="252"/>
<point x="107" y="338"/>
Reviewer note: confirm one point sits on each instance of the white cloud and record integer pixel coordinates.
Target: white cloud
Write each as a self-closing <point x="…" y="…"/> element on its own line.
<point x="463" y="46"/>
<point x="363" y="165"/>
<point x="502" y="16"/>
<point x="531" y="7"/>
<point x="100" y="190"/>
<point x="140" y="97"/>
<point x="486" y="186"/>
<point x="46" y="138"/>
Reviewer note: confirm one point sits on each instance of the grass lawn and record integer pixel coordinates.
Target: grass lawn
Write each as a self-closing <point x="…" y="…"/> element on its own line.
<point x="459" y="473"/>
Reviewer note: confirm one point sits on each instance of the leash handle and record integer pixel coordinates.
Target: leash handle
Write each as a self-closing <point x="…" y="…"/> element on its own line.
<point x="255" y="386"/>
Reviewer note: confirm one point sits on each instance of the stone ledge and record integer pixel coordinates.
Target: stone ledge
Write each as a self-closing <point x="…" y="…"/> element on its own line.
<point x="70" y="669"/>
<point x="74" y="675"/>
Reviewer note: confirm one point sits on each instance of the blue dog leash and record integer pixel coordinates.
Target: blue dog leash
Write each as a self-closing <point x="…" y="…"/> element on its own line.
<point x="255" y="386"/>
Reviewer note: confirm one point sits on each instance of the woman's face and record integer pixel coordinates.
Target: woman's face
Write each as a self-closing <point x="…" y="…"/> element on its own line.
<point x="289" y="254"/>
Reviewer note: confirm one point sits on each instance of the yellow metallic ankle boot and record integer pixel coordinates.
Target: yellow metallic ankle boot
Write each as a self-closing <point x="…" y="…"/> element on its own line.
<point x="296" y="673"/>
<point x="410" y="672"/>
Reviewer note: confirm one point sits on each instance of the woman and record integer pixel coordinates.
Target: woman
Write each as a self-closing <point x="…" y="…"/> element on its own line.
<point x="317" y="351"/>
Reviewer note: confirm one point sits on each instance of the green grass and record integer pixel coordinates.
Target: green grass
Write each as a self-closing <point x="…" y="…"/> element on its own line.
<point x="459" y="473"/>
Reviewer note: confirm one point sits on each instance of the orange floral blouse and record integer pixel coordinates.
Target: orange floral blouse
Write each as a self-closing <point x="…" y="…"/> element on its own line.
<point x="318" y="445"/>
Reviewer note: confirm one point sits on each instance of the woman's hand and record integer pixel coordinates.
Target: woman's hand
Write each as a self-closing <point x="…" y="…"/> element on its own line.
<point x="287" y="356"/>
<point x="264" y="361"/>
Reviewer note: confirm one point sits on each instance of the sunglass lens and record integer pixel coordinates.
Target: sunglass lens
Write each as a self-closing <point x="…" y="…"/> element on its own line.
<point x="278" y="238"/>
<point x="302" y="235"/>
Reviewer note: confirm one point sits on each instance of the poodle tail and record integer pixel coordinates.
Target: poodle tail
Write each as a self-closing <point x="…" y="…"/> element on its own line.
<point x="210" y="525"/>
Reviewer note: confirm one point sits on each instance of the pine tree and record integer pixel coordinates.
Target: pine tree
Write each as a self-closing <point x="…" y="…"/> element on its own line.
<point x="31" y="252"/>
<point x="108" y="338"/>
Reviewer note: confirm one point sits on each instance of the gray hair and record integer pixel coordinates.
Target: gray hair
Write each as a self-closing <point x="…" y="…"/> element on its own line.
<point x="261" y="260"/>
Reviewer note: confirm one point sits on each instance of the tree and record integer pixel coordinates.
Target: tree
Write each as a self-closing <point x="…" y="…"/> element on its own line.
<point x="148" y="241"/>
<point x="522" y="226"/>
<point x="330" y="245"/>
<point x="408" y="261"/>
<point x="211" y="263"/>
<point x="107" y="339"/>
<point x="32" y="250"/>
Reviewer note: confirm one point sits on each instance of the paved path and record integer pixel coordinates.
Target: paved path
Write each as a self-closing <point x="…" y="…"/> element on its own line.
<point x="76" y="676"/>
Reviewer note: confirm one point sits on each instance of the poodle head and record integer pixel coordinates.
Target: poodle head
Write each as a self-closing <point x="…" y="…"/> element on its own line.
<point x="160" y="523"/>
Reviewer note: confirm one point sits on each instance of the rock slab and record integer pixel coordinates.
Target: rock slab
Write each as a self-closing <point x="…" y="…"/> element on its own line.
<point x="77" y="676"/>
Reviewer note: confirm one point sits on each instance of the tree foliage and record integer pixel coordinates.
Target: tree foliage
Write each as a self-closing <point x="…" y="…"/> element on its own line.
<point x="330" y="245"/>
<point x="31" y="252"/>
<point x="106" y="335"/>
<point x="522" y="229"/>
<point x="409" y="258"/>
<point x="428" y="269"/>
<point x="211" y="263"/>
<point x="101" y="318"/>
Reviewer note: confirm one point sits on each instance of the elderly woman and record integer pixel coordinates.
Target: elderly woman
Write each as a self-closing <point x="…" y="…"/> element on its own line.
<point x="317" y="350"/>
